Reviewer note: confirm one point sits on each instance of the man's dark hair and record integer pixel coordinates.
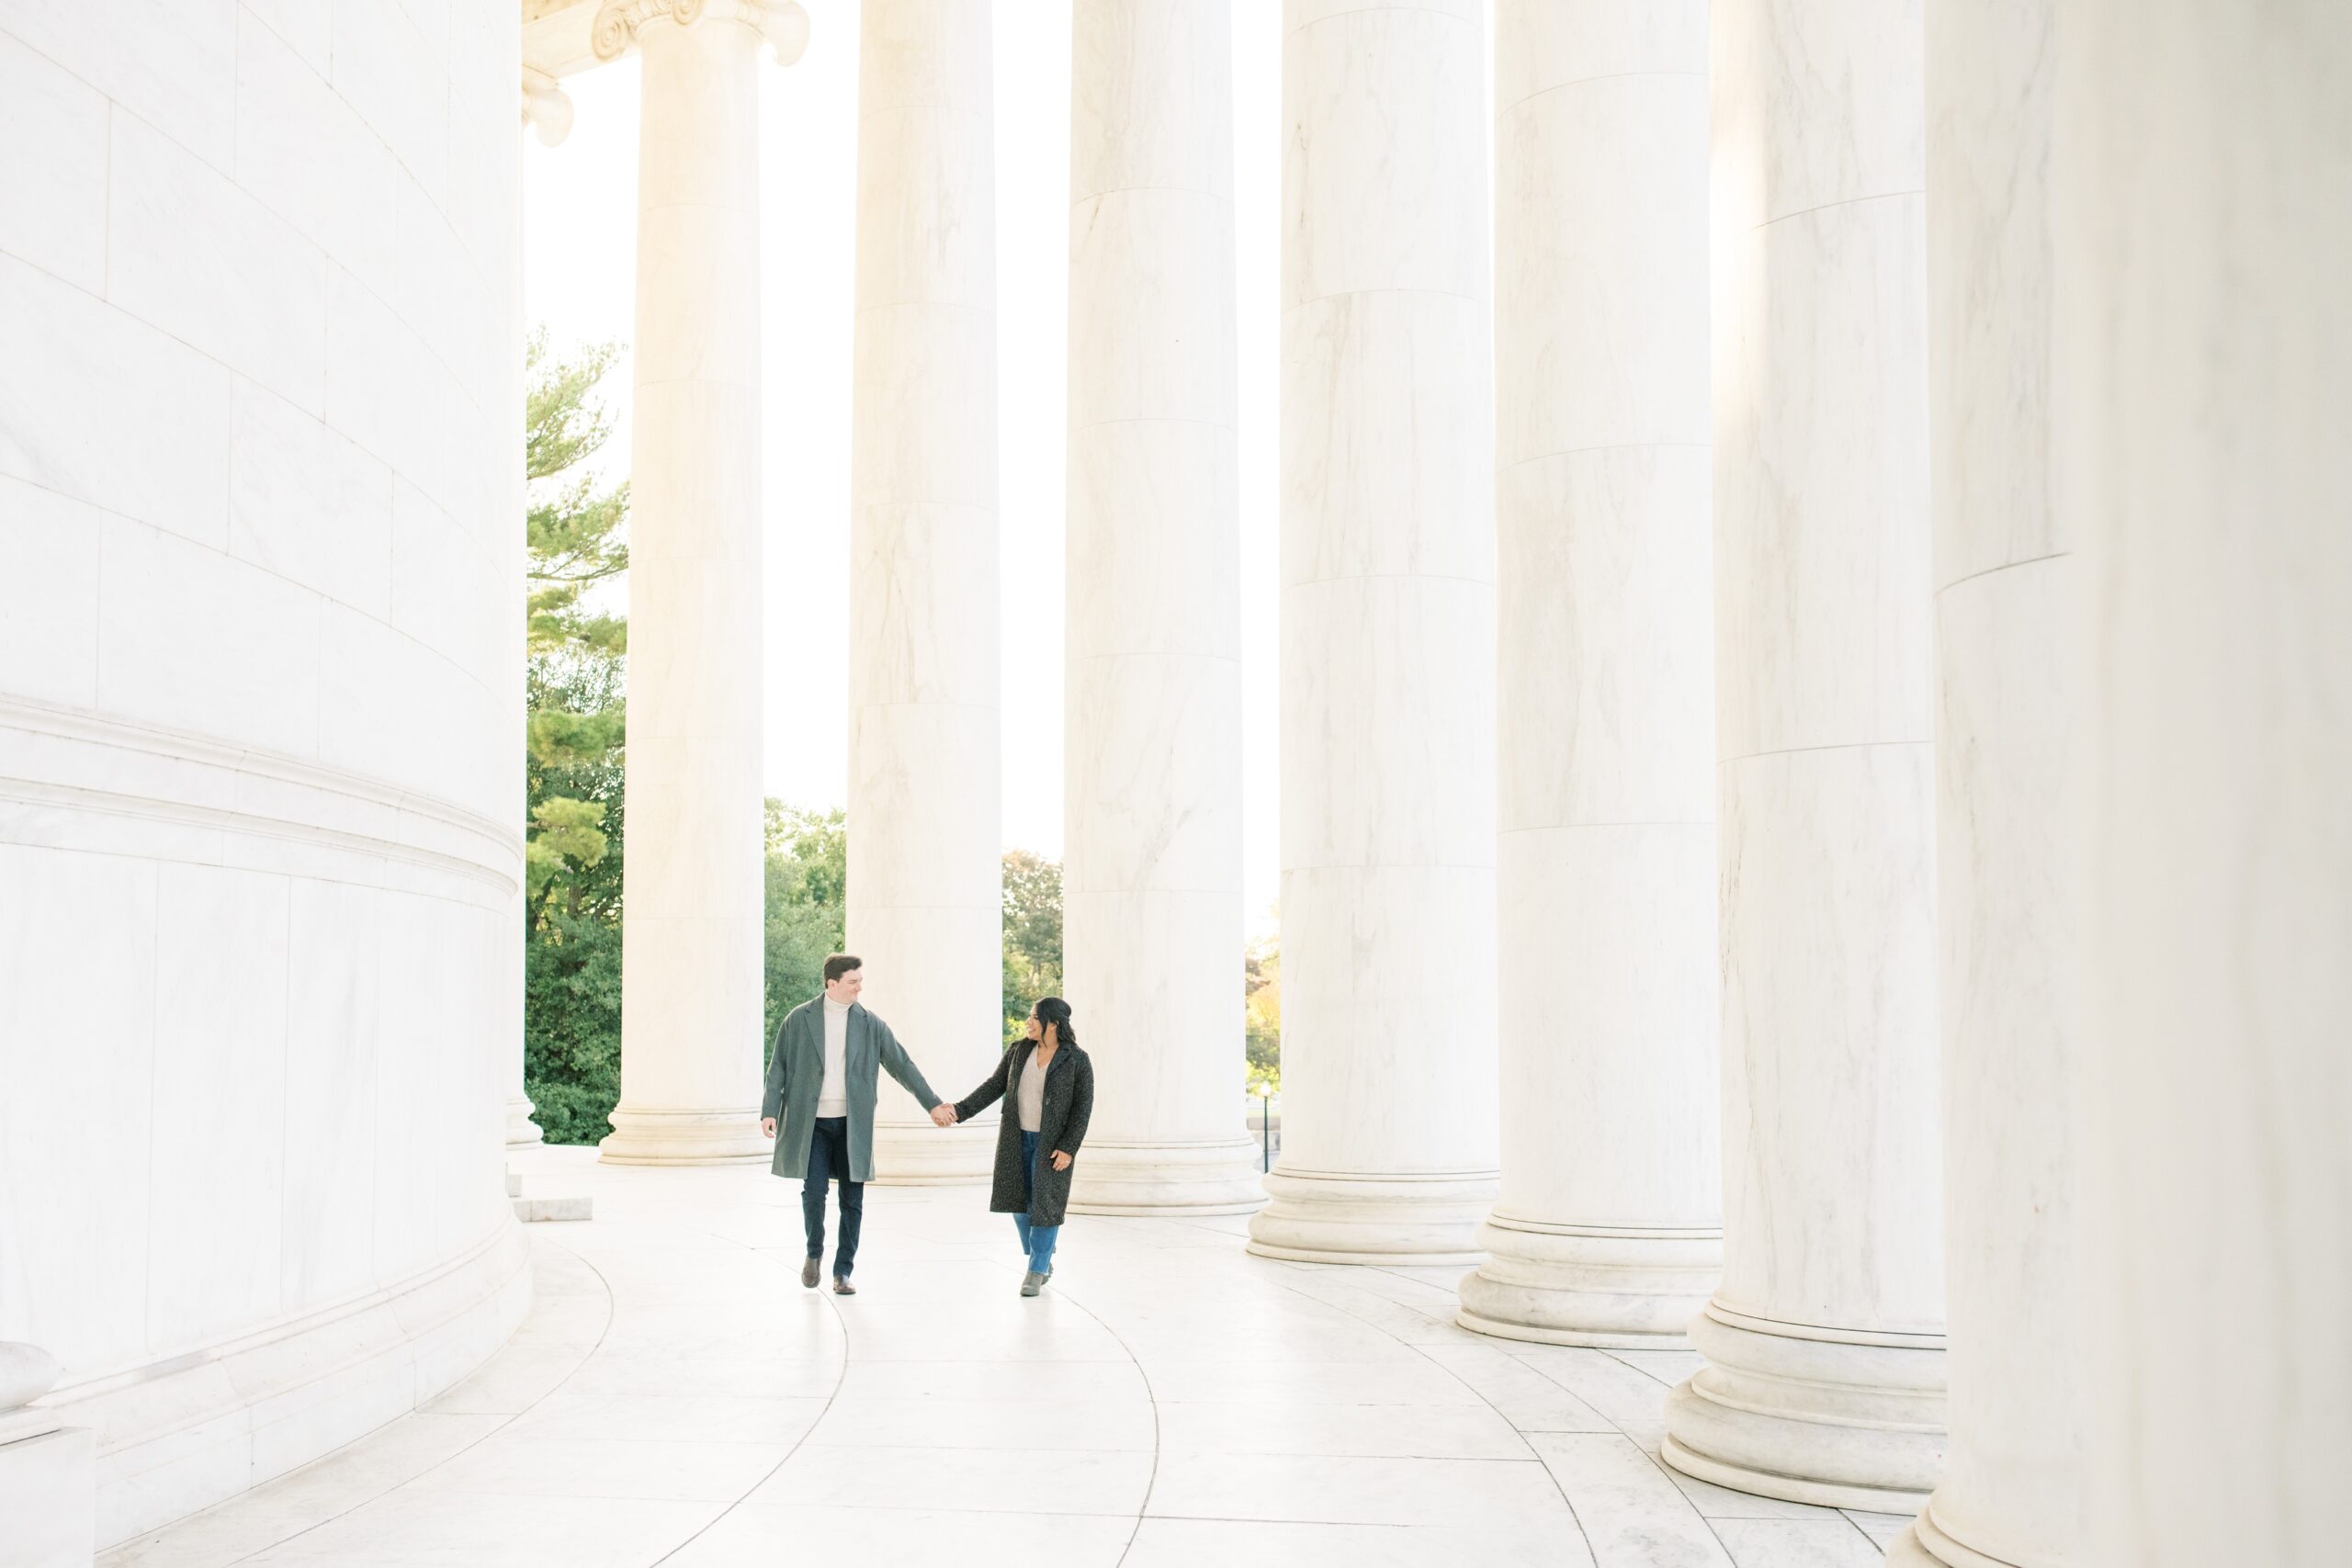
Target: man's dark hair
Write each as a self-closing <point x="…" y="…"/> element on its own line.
<point x="839" y="964"/>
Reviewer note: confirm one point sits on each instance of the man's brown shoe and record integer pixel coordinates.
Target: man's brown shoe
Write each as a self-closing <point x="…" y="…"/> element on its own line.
<point x="842" y="1287"/>
<point x="809" y="1274"/>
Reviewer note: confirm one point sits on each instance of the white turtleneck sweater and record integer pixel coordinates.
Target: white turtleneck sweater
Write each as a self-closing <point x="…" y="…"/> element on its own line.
<point x="832" y="1095"/>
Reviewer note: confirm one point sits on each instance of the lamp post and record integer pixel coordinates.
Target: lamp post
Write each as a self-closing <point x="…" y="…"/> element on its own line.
<point x="1265" y="1125"/>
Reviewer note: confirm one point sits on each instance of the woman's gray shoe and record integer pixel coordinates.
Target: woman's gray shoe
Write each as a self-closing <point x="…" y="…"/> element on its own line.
<point x="1032" y="1282"/>
<point x="809" y="1273"/>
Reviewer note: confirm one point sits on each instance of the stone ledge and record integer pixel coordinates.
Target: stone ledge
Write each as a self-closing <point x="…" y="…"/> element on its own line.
<point x="191" y="1431"/>
<point x="47" y="1498"/>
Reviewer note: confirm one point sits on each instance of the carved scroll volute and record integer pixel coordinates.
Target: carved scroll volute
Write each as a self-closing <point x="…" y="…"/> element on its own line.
<point x="546" y="106"/>
<point x="783" y="23"/>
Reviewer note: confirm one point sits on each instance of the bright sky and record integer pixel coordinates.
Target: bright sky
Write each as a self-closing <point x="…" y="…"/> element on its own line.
<point x="579" y="281"/>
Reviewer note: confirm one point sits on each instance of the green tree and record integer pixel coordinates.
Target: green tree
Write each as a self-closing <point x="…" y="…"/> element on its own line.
<point x="1032" y="933"/>
<point x="1261" y="1014"/>
<point x="575" y="524"/>
<point x="574" y="683"/>
<point x="808" y="883"/>
<point x="572" y="1024"/>
<point x="574" y="529"/>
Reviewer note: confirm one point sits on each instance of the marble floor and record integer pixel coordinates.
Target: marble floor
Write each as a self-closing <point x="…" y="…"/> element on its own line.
<point x="675" y="1397"/>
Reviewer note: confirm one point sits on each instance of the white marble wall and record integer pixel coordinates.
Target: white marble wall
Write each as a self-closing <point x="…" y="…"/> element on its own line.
<point x="1824" y="1342"/>
<point x="694" y="914"/>
<point x="2202" y="212"/>
<point x="925" y="878"/>
<point x="260" y="722"/>
<point x="2005" y="575"/>
<point x="1151" y="877"/>
<point x="1609" y="1227"/>
<point x="1387" y="626"/>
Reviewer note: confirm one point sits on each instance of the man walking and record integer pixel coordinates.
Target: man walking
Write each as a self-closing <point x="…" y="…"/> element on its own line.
<point x="820" y="1083"/>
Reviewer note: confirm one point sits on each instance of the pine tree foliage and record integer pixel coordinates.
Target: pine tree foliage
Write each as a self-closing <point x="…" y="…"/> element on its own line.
<point x="576" y="523"/>
<point x="576" y="529"/>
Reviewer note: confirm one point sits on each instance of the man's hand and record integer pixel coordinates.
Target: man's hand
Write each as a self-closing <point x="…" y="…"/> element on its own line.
<point x="767" y="1126"/>
<point x="1061" y="1161"/>
<point x="942" y="1114"/>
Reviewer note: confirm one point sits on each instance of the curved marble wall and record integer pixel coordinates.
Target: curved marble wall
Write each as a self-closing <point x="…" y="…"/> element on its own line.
<point x="259" y="717"/>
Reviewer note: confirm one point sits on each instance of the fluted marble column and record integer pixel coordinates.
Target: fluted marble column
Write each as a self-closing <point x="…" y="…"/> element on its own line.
<point x="1388" y="619"/>
<point x="925" y="867"/>
<point x="691" y="928"/>
<point x="1151" y="877"/>
<point x="2005" y="576"/>
<point x="1823" y="1380"/>
<point x="2202" y="202"/>
<point x="1609" y="1230"/>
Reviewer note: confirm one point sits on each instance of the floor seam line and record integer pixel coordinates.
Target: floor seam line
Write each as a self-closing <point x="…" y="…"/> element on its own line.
<point x="1575" y="1520"/>
<point x="1630" y="1367"/>
<point x="799" y="1442"/>
<point x="1143" y="1508"/>
<point x="609" y="1314"/>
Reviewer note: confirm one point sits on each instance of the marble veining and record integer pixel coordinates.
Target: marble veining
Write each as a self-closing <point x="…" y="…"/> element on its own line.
<point x="1606" y="1224"/>
<point x="924" y="899"/>
<point x="1152" y="691"/>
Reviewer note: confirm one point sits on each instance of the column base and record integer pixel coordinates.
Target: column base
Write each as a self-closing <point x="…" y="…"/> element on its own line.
<point x="521" y="1130"/>
<point x="917" y="1153"/>
<point x="1923" y="1544"/>
<point x="1854" y="1422"/>
<point x="685" y="1137"/>
<point x="1609" y="1288"/>
<point x="1317" y="1216"/>
<point x="1216" y="1177"/>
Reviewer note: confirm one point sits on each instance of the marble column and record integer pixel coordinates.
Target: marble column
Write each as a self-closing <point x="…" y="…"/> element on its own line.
<point x="2201" y="203"/>
<point x="1608" y="1229"/>
<point x="692" y="951"/>
<point x="547" y="108"/>
<point x="2005" y="575"/>
<point x="1823" y="1344"/>
<point x="1151" y="874"/>
<point x="926" y="866"/>
<point x="1387" y="640"/>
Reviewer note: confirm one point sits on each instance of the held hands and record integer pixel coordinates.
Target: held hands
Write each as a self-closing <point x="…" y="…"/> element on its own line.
<point x="1061" y="1161"/>
<point x="942" y="1114"/>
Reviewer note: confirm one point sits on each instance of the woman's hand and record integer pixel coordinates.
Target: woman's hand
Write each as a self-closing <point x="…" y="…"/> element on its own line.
<point x="942" y="1114"/>
<point x="1061" y="1161"/>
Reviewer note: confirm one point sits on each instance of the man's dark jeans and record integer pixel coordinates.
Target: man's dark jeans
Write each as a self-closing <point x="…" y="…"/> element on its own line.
<point x="828" y="1157"/>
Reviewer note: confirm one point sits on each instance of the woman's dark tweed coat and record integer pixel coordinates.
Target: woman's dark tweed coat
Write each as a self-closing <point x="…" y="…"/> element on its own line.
<point x="1070" y="1101"/>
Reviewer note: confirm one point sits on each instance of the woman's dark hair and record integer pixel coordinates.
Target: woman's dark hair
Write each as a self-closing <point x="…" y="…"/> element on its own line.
<point x="1056" y="1011"/>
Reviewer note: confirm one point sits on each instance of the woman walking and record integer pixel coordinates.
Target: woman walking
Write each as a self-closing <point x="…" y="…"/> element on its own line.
<point x="1047" y="1086"/>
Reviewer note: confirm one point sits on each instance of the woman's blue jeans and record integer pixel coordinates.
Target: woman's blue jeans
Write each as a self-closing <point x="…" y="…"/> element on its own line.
<point x="1038" y="1241"/>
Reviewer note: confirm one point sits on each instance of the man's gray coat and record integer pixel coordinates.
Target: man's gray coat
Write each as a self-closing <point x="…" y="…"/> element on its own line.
<point x="796" y="1071"/>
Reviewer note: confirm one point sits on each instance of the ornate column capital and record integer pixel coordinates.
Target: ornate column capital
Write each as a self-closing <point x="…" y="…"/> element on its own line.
<point x="546" y="106"/>
<point x="782" y="23"/>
